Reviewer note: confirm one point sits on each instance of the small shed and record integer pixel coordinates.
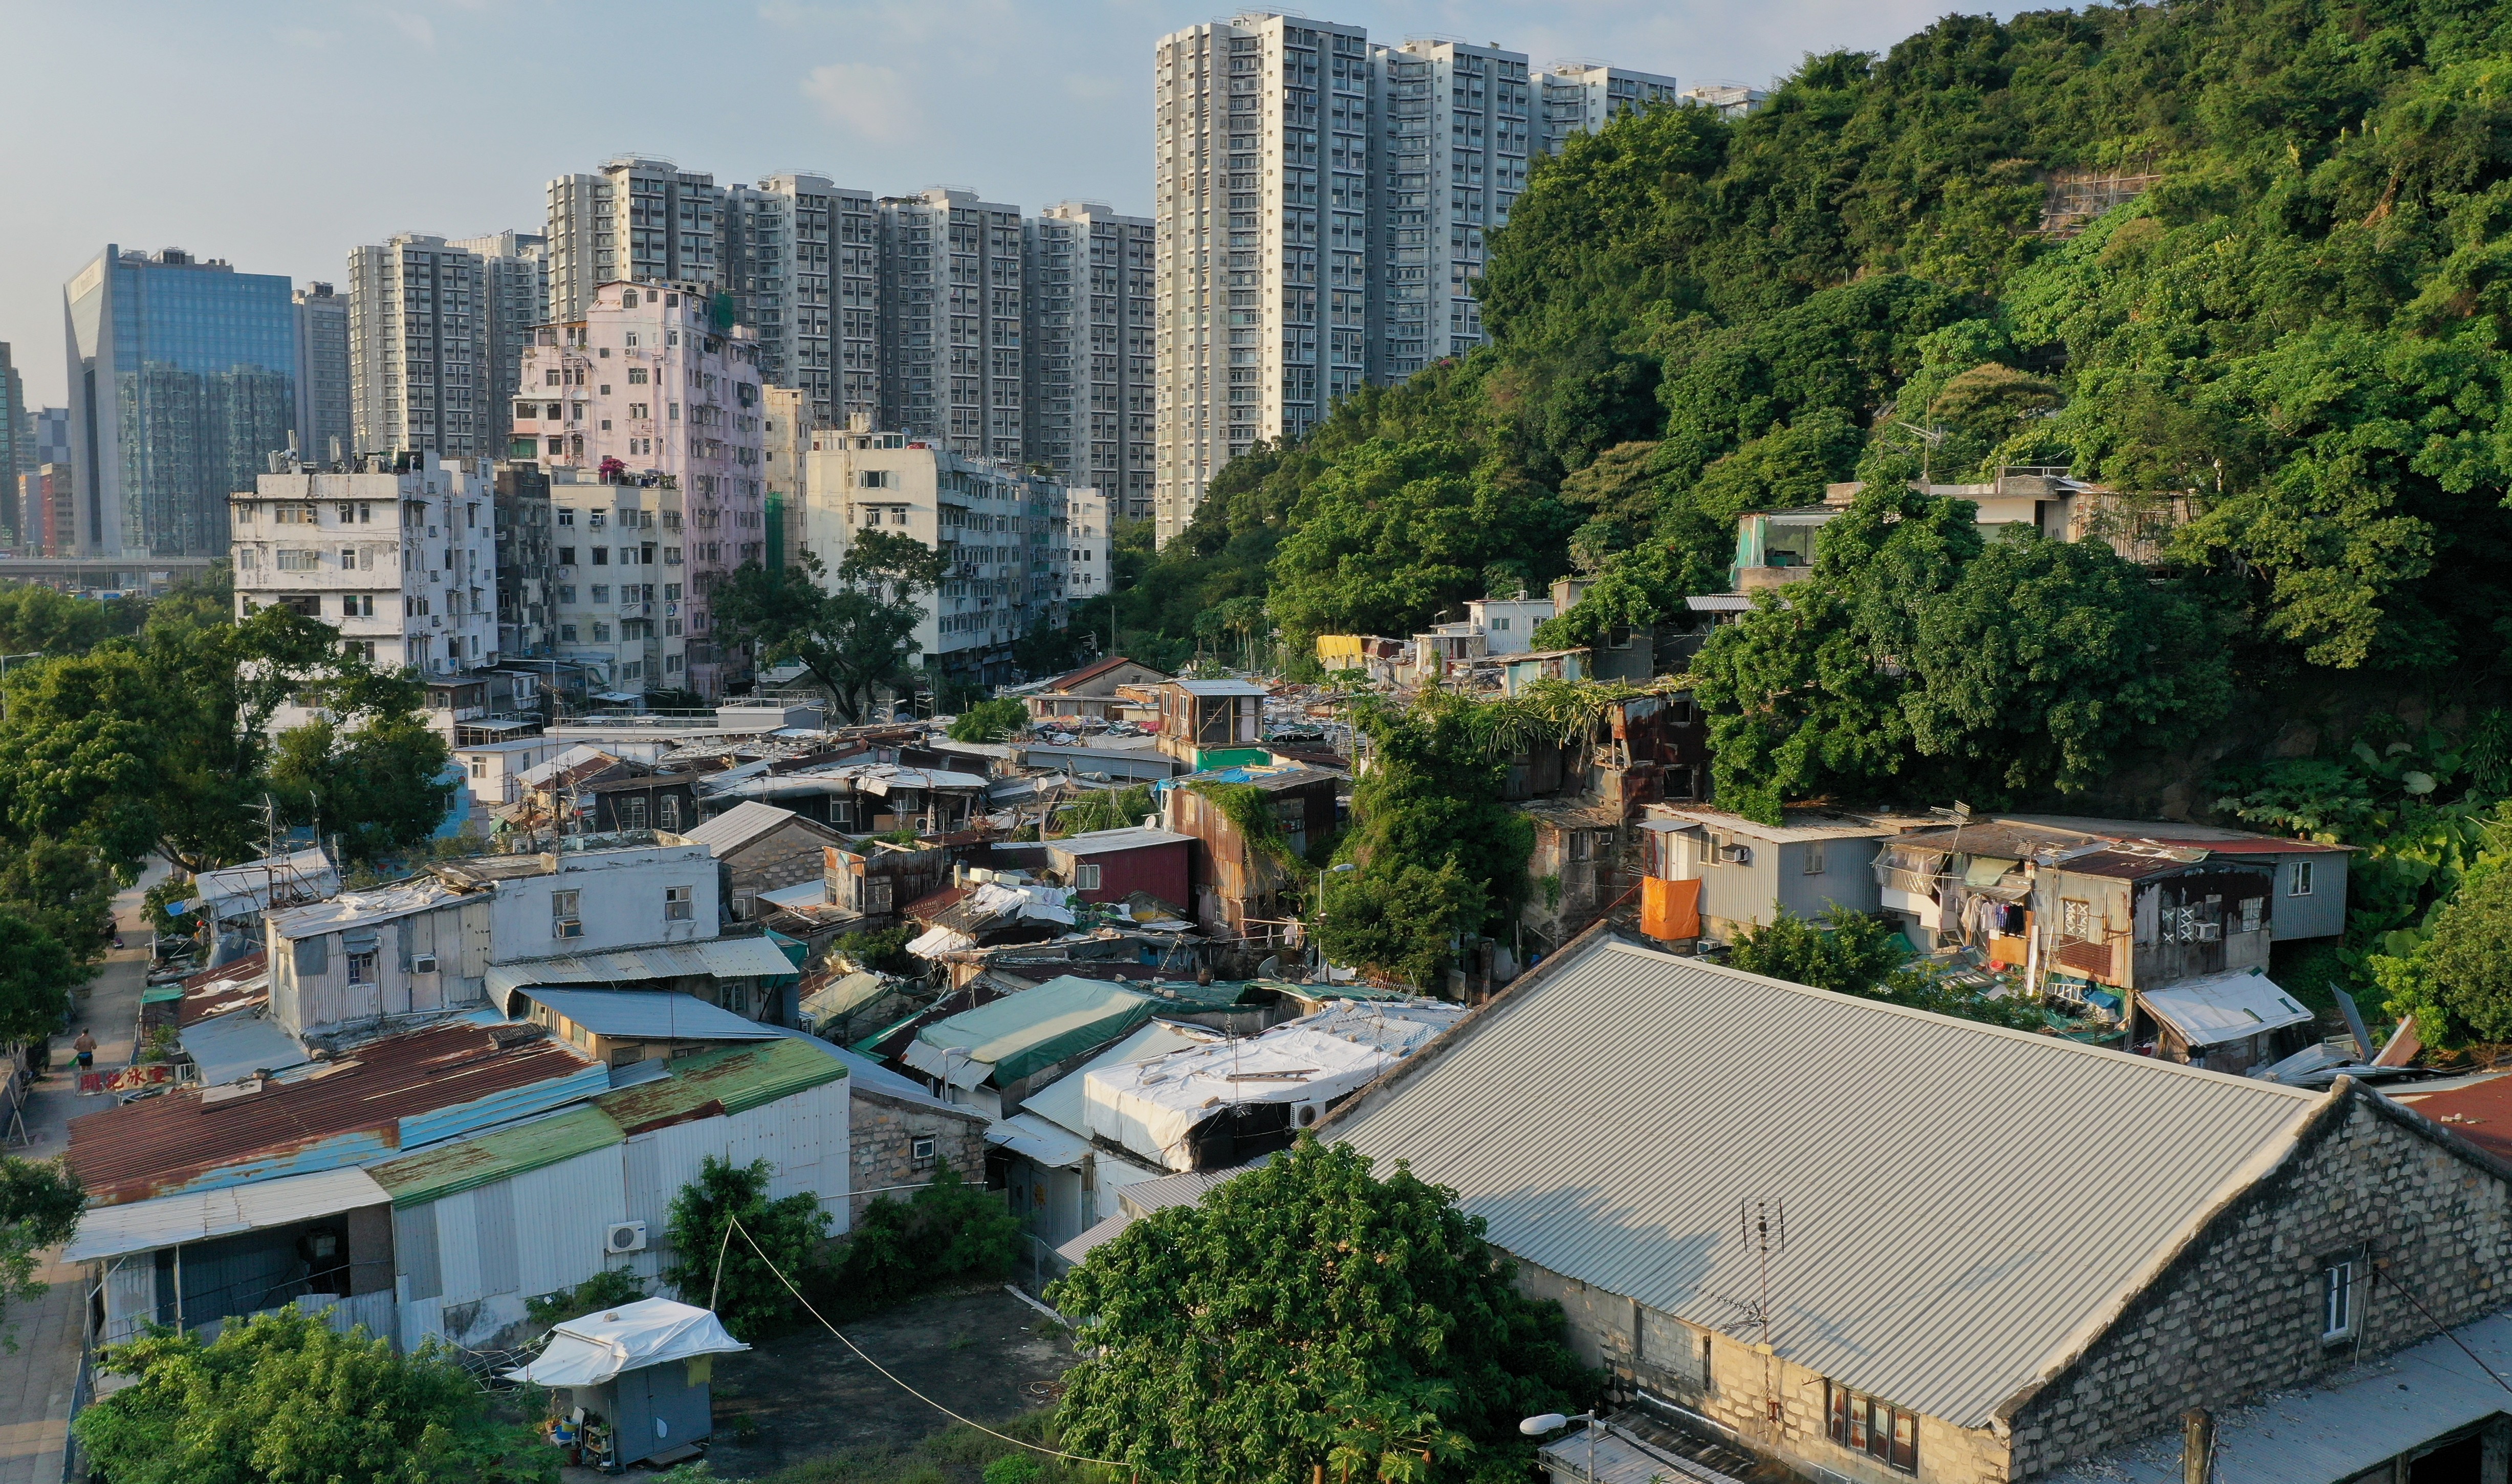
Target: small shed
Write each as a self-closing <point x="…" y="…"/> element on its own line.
<point x="633" y="1381"/>
<point x="1110" y="865"/>
<point x="2227" y="1022"/>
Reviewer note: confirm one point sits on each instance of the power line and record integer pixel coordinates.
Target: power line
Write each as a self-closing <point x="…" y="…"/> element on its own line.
<point x="1053" y="1453"/>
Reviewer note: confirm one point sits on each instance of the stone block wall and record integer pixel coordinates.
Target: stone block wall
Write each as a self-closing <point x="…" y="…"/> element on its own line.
<point x="2239" y="1313"/>
<point x="788" y="856"/>
<point x="884" y="1132"/>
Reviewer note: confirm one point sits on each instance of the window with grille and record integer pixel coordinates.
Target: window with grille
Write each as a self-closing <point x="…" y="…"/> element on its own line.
<point x="2075" y="919"/>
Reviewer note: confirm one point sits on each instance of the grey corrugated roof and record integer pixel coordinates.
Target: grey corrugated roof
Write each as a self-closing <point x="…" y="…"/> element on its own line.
<point x="648" y="1015"/>
<point x="738" y="826"/>
<point x="1608" y="1119"/>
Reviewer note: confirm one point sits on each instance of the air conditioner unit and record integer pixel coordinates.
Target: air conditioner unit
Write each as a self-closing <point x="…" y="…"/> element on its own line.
<point x="1736" y="855"/>
<point x="2211" y="932"/>
<point x="566" y="927"/>
<point x="624" y="1236"/>
<point x="424" y="963"/>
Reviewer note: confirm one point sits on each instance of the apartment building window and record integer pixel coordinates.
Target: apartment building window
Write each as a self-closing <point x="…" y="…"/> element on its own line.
<point x="564" y="919"/>
<point x="677" y="906"/>
<point x="2297" y="880"/>
<point x="296" y="559"/>
<point x="2337" y="1300"/>
<point x="1875" y="1427"/>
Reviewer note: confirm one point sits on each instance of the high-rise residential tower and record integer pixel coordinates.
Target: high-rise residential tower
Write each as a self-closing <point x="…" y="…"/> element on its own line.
<point x="1584" y="96"/>
<point x="183" y="384"/>
<point x="515" y="289"/>
<point x="951" y="322"/>
<point x="1262" y="239"/>
<point x="1458" y="131"/>
<point x="418" y="348"/>
<point x="1091" y="347"/>
<point x="1323" y="212"/>
<point x="52" y="436"/>
<point x="325" y="433"/>
<point x="646" y="392"/>
<point x="799" y="258"/>
<point x="634" y="219"/>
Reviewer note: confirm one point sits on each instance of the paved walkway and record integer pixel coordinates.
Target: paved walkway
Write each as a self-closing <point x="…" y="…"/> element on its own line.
<point x="36" y="1375"/>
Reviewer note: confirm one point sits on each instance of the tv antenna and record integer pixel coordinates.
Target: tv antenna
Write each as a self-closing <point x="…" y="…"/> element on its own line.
<point x="1760" y="1224"/>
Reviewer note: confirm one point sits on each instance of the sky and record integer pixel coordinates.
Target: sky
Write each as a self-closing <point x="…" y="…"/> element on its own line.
<point x="280" y="134"/>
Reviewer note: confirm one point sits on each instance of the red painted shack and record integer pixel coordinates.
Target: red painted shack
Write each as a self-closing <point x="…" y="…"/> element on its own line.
<point x="1110" y="865"/>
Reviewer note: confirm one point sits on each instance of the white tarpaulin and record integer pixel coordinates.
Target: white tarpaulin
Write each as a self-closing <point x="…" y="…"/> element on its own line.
<point x="1152" y="1107"/>
<point x="588" y="1351"/>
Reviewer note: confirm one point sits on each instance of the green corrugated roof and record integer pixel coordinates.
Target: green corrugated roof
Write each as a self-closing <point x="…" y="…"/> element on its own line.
<point x="159" y="995"/>
<point x="468" y="1164"/>
<point x="741" y="1078"/>
<point x="1019" y="1033"/>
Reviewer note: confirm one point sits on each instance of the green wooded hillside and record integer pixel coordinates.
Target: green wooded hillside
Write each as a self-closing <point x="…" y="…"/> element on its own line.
<point x="2299" y="323"/>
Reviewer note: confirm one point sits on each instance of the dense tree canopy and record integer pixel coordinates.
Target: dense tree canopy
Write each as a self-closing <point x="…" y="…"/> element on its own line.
<point x="854" y="630"/>
<point x="283" y="1397"/>
<point x="1311" y="1313"/>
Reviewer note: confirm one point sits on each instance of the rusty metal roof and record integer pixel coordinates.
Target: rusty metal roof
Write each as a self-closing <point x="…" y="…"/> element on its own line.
<point x="231" y="986"/>
<point x="727" y="1081"/>
<point x="346" y="1110"/>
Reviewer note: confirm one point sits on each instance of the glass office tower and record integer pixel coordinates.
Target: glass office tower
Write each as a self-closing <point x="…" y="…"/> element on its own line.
<point x="182" y="384"/>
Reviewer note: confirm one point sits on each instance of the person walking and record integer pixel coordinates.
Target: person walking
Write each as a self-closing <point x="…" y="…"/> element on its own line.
<point x="84" y="1046"/>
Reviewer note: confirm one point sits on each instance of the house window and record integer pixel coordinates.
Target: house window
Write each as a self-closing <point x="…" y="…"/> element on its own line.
<point x="924" y="1149"/>
<point x="742" y="906"/>
<point x="1877" y="1428"/>
<point x="733" y="995"/>
<point x="1709" y="844"/>
<point x="2075" y="919"/>
<point x="631" y="811"/>
<point x="1578" y="845"/>
<point x="676" y="907"/>
<point x="361" y="967"/>
<point x="2253" y="910"/>
<point x="2297" y="880"/>
<point x="1814" y="858"/>
<point x="564" y="921"/>
<point x="2337" y="1300"/>
<point x="1085" y="877"/>
<point x="667" y="811"/>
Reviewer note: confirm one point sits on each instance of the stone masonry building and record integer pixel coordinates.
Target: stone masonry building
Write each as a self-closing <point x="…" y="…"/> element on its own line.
<point x="1991" y="1255"/>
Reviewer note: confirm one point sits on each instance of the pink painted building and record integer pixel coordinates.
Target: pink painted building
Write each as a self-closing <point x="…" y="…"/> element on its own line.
<point x="650" y="389"/>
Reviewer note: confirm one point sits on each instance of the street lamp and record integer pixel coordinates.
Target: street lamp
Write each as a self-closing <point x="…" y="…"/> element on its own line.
<point x="1316" y="945"/>
<point x="1536" y="1427"/>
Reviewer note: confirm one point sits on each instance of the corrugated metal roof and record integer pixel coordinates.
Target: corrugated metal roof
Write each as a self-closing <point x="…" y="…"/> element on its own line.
<point x="1608" y="1118"/>
<point x="144" y="1225"/>
<point x="1036" y="1139"/>
<point x="1020" y="1033"/>
<point x="864" y="1075"/>
<point x="356" y="908"/>
<point x="1220" y="688"/>
<point x="1105" y="841"/>
<point x="650" y="1015"/>
<point x="468" y="1164"/>
<point x="2224" y="1007"/>
<point x="349" y="1110"/>
<point x="731" y="1080"/>
<point x="738" y="826"/>
<point x="656" y="961"/>
<point x="231" y="986"/>
<point x="1801" y="825"/>
<point x="238" y="1044"/>
<point x="2341" y="1430"/>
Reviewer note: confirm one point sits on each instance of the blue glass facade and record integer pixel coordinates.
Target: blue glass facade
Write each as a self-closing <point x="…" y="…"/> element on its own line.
<point x="182" y="384"/>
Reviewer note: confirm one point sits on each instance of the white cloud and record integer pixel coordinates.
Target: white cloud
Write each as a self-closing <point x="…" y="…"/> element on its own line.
<point x="418" y="29"/>
<point x="874" y="101"/>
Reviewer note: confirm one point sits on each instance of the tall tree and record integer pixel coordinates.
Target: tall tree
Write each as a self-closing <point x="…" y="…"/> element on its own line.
<point x="40" y="1201"/>
<point x="857" y="636"/>
<point x="1310" y="1314"/>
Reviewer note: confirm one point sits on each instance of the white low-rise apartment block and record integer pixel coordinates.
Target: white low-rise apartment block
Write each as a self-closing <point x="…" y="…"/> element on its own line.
<point x="648" y="392"/>
<point x="1005" y="534"/>
<point x="595" y="894"/>
<point x="404" y="563"/>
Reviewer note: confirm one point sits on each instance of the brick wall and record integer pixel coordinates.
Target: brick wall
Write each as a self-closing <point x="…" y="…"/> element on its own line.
<point x="2238" y="1313"/>
<point x="884" y="1132"/>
